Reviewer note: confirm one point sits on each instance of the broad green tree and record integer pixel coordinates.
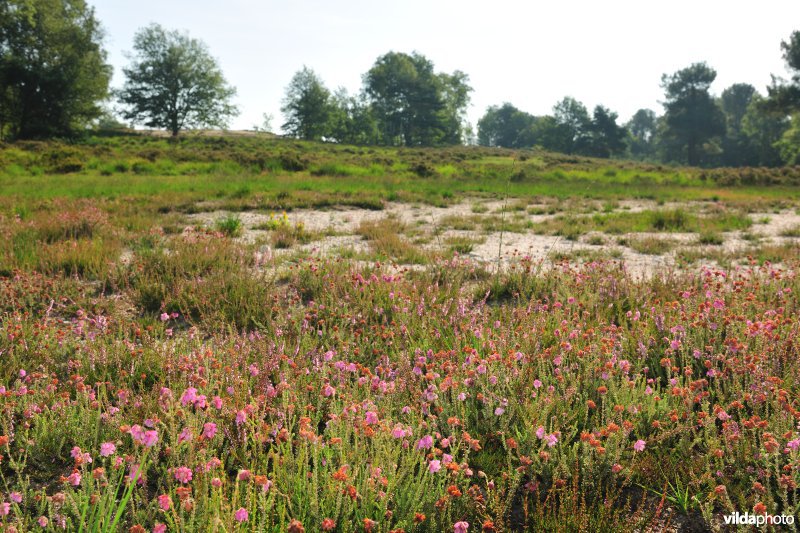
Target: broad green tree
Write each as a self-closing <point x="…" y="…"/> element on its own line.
<point x="353" y="121"/>
<point x="692" y="117"/>
<point x="572" y="116"/>
<point x="173" y="82"/>
<point x="606" y="137"/>
<point x="736" y="148"/>
<point x="764" y="131"/>
<point x="505" y="126"/>
<point x="642" y="134"/>
<point x="308" y="107"/>
<point x="412" y="104"/>
<point x="53" y="70"/>
<point x="784" y="100"/>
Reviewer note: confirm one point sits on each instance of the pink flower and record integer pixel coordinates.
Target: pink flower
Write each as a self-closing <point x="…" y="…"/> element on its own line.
<point x="150" y="438"/>
<point x="42" y="521"/>
<point x="183" y="474"/>
<point x="540" y="432"/>
<point x="217" y="402"/>
<point x="241" y="416"/>
<point x="536" y="383"/>
<point x="5" y="508"/>
<point x="328" y="391"/>
<point x="135" y="473"/>
<point x="551" y="440"/>
<point x="216" y="482"/>
<point x="434" y="466"/>
<point x="189" y="396"/>
<point x="499" y="411"/>
<point x="75" y="452"/>
<point x="639" y="445"/>
<point x="241" y="515"/>
<point x="15" y="497"/>
<point x="616" y="468"/>
<point x="460" y="527"/>
<point x="164" y="502"/>
<point x="371" y="417"/>
<point x="209" y="430"/>
<point x="159" y="528"/>
<point x="137" y="432"/>
<point x="107" y="448"/>
<point x="74" y="479"/>
<point x="398" y="432"/>
<point x="425" y="442"/>
<point x="244" y="475"/>
<point x="164" y="317"/>
<point x="253" y="372"/>
<point x="186" y="435"/>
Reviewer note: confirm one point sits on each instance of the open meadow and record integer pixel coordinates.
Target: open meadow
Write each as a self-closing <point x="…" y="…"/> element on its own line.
<point x="247" y="333"/>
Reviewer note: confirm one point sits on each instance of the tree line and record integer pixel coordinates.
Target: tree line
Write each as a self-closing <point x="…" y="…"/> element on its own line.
<point x="54" y="81"/>
<point x="741" y="127"/>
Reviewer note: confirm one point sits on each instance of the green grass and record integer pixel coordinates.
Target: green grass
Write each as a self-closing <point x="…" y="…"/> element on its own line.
<point x="283" y="174"/>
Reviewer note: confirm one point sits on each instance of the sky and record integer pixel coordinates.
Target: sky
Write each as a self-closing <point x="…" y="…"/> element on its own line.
<point x="529" y="53"/>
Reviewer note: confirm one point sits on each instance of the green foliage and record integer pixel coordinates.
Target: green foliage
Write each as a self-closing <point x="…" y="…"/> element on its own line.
<point x="308" y="107"/>
<point x="173" y="82"/>
<point x="692" y="118"/>
<point x="413" y="105"/>
<point x="53" y="70"/>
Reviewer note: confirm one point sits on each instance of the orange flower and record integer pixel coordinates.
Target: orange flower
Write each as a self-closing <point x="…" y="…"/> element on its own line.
<point x="488" y="525"/>
<point x="453" y="491"/>
<point x="3" y="440"/>
<point x="760" y="508"/>
<point x="369" y="525"/>
<point x="295" y="526"/>
<point x="419" y="518"/>
<point x="341" y="474"/>
<point x="328" y="524"/>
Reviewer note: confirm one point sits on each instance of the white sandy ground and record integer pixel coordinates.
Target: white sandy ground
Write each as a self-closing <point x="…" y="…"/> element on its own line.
<point x="340" y="225"/>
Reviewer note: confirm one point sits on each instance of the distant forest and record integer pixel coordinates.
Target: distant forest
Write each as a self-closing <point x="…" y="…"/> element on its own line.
<point x="54" y="82"/>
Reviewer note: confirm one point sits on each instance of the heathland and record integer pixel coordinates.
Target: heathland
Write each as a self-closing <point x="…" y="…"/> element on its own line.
<point x="242" y="332"/>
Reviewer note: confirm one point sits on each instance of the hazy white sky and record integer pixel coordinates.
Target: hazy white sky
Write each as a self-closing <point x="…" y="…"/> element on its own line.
<point x="528" y="53"/>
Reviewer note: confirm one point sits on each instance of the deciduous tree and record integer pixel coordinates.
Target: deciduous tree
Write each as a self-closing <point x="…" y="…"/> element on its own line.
<point x="173" y="82"/>
<point x="53" y="70"/>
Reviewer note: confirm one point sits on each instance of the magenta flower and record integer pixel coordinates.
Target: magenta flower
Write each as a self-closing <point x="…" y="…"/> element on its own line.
<point x="15" y="497"/>
<point x="150" y="438"/>
<point x="425" y="443"/>
<point x="74" y="479"/>
<point x="434" y="466"/>
<point x="186" y="435"/>
<point x="540" y="432"/>
<point x="189" y="396"/>
<point x="209" y="430"/>
<point x="551" y="440"/>
<point x="217" y="403"/>
<point x="460" y="527"/>
<point x="107" y="448"/>
<point x="398" y="432"/>
<point x="241" y="515"/>
<point x="5" y="508"/>
<point x="241" y="416"/>
<point x="164" y="502"/>
<point x="371" y="417"/>
<point x="639" y="445"/>
<point x="159" y="528"/>
<point x="183" y="474"/>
